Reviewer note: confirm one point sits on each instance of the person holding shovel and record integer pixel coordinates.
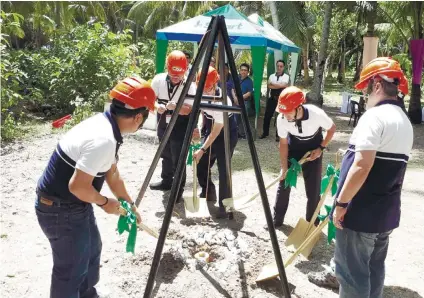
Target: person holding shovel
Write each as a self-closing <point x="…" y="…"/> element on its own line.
<point x="213" y="146"/>
<point x="168" y="87"/>
<point x="300" y="129"/>
<point x="86" y="157"/>
<point x="367" y="204"/>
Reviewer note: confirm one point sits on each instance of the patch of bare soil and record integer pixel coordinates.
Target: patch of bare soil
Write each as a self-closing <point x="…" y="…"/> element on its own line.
<point x="238" y="249"/>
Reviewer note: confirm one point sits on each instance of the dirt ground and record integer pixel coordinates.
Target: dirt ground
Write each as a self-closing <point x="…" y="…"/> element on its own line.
<point x="239" y="249"/>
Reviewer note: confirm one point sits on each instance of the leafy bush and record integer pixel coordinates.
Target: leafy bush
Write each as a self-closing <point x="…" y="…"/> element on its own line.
<point x="84" y="63"/>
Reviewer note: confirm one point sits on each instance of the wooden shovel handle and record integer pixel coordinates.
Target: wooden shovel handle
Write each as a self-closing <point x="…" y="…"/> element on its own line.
<point x="141" y="225"/>
<point x="306" y="242"/>
<point x="321" y="202"/>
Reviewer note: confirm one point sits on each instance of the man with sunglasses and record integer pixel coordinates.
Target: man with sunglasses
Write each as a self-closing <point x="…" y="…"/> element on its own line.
<point x="168" y="87"/>
<point x="86" y="157"/>
<point x="276" y="83"/>
<point x="367" y="203"/>
<point x="300" y="129"/>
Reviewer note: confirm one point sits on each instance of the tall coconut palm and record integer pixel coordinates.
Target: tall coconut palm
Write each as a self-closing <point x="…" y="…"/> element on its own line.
<point x="316" y="97"/>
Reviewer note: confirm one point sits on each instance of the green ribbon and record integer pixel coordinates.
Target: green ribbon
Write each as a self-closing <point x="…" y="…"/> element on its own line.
<point x="331" y="232"/>
<point x="124" y="224"/>
<point x="292" y="172"/>
<point x="193" y="148"/>
<point x="331" y="171"/>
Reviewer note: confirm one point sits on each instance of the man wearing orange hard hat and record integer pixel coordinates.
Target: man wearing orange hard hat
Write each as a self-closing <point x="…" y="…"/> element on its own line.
<point x="213" y="145"/>
<point x="86" y="157"/>
<point x="367" y="203"/>
<point x="168" y="87"/>
<point x="300" y="129"/>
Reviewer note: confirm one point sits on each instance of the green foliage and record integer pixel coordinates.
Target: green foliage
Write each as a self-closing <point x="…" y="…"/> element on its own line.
<point x="83" y="110"/>
<point x="147" y="58"/>
<point x="83" y="63"/>
<point x="11" y="77"/>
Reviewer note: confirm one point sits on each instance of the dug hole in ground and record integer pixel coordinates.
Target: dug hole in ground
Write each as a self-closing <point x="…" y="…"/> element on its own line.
<point x="237" y="249"/>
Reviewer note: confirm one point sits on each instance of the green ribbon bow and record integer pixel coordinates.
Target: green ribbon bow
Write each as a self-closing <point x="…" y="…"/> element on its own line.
<point x="331" y="232"/>
<point x="331" y="171"/>
<point x="193" y="148"/>
<point x="124" y="223"/>
<point x="292" y="172"/>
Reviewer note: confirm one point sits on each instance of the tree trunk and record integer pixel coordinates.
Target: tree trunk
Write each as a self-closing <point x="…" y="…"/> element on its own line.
<point x="414" y="109"/>
<point x="316" y="97"/>
<point x="329" y="68"/>
<point x="57" y="10"/>
<point x="327" y="63"/>
<point x="274" y="14"/>
<point x="305" y="64"/>
<point x="358" y="67"/>
<point x="342" y="65"/>
<point x="417" y="53"/>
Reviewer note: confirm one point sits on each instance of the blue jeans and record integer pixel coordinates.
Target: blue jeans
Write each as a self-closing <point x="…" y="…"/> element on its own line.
<point x="76" y="247"/>
<point x="359" y="259"/>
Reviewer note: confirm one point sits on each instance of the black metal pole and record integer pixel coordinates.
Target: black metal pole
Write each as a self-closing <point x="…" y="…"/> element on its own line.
<point x="255" y="160"/>
<point x="173" y="119"/>
<point x="182" y="160"/>
<point x="221" y="64"/>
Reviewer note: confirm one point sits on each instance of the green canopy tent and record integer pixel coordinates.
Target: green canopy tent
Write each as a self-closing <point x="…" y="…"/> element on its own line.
<point x="243" y="33"/>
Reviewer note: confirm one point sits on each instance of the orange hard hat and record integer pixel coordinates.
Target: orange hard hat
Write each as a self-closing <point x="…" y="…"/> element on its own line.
<point x="176" y="63"/>
<point x="211" y="79"/>
<point x="135" y="93"/>
<point x="386" y="68"/>
<point x="289" y="99"/>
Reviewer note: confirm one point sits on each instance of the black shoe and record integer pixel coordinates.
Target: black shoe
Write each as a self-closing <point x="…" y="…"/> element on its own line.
<point x="277" y="225"/>
<point x="243" y="137"/>
<point x="222" y="213"/>
<point x="210" y="197"/>
<point x="162" y="185"/>
<point x="263" y="137"/>
<point x="277" y="139"/>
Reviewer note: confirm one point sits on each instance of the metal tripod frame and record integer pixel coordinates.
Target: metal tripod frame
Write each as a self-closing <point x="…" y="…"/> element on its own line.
<point x="216" y="29"/>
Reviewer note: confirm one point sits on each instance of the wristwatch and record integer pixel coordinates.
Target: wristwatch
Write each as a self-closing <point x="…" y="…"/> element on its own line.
<point x="342" y="205"/>
<point x="322" y="147"/>
<point x="204" y="150"/>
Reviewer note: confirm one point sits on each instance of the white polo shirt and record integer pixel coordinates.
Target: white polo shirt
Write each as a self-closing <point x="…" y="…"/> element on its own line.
<point x="278" y="80"/>
<point x="165" y="93"/>
<point x="387" y="130"/>
<point x="314" y="119"/>
<point x="91" y="144"/>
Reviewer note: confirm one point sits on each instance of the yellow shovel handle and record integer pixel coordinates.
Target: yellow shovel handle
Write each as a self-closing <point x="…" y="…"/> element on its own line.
<point x="141" y="225"/>
<point x="306" y="242"/>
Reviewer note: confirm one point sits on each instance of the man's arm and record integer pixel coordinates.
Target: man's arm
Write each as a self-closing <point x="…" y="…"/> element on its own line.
<point x="117" y="185"/>
<point x="358" y="173"/>
<point x="216" y="129"/>
<point x="284" y="152"/>
<point x="328" y="135"/>
<point x="81" y="186"/>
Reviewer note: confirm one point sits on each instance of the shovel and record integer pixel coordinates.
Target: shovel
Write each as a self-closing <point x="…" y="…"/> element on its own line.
<point x="245" y="202"/>
<point x="141" y="225"/>
<point x="195" y="206"/>
<point x="304" y="228"/>
<point x="270" y="271"/>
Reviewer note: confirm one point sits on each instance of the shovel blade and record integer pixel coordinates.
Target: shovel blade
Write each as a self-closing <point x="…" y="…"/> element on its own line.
<point x="196" y="207"/>
<point x="299" y="235"/>
<point x="238" y="203"/>
<point x="269" y="271"/>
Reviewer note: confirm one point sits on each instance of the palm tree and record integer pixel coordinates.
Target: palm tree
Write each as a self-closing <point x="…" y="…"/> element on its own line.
<point x="316" y="97"/>
<point x="151" y="13"/>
